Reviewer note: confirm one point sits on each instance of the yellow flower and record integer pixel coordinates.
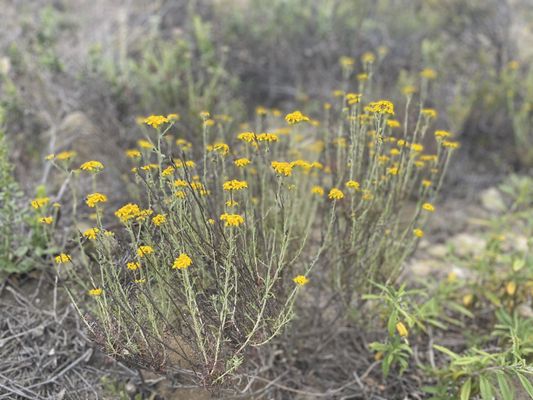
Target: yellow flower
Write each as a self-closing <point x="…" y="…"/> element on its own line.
<point x="149" y="167"/>
<point x="95" y="292"/>
<point x="426" y="183"/>
<point x="300" y="280"/>
<point x="353" y="98"/>
<point x="510" y="288"/>
<point x="260" y="110"/>
<point x="139" y="281"/>
<point x="173" y="117"/>
<point x="367" y="195"/>
<point x="234" y="185"/>
<point x="417" y="147"/>
<point x="133" y="153"/>
<point x="168" y="171"/>
<point x="429" y="113"/>
<point x="92" y="166"/>
<point x="267" y="137"/>
<point x="182" y="262"/>
<point x="468" y="299"/>
<point x="145" y="144"/>
<point x="231" y="203"/>
<point x="361" y="78"/>
<point x="282" y="168"/>
<point x="394" y="152"/>
<point x="428" y="207"/>
<point x="155" y="120"/>
<point x="296" y="117"/>
<point x="418" y="232"/>
<point x="94" y="198"/>
<point x="133" y="266"/>
<point x="211" y="221"/>
<point x="63" y="258"/>
<point x="183" y="144"/>
<point x="204" y="114"/>
<point x="392" y="123"/>
<point x="65" y="155"/>
<point x="180" y="183"/>
<point x="442" y="134"/>
<point x="335" y="194"/>
<point x="317" y="190"/>
<point x="209" y="122"/>
<point x="180" y="164"/>
<point x="232" y="219"/>
<point x="143" y="214"/>
<point x="144" y="251"/>
<point x="127" y="212"/>
<point x="241" y="162"/>
<point x="91" y="233"/>
<point x="353" y="185"/>
<point x="392" y="171"/>
<point x="221" y="148"/>
<point x="368" y="57"/>
<point x="46" y="220"/>
<point x="346" y="62"/>
<point x="381" y="107"/>
<point x="401" y="329"/>
<point x="248" y="137"/>
<point x="159" y="219"/>
<point x="338" y="93"/>
<point x="450" y="145"/>
<point x="428" y="73"/>
<point x="409" y="90"/>
<point x="40" y="202"/>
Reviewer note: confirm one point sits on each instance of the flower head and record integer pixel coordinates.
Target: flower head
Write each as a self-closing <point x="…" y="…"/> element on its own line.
<point x="353" y="185"/>
<point x="300" y="280"/>
<point x="95" y="292"/>
<point x="94" y="198"/>
<point x="40" y="202"/>
<point x="91" y="233"/>
<point x="92" y="166"/>
<point x="234" y="185"/>
<point x="63" y="258"/>
<point x="335" y="194"/>
<point x="183" y="261"/>
<point x="317" y="190"/>
<point x="428" y="207"/>
<point x="296" y="117"/>
<point x="159" y="219"/>
<point x="133" y="265"/>
<point x="418" y="232"/>
<point x="282" y="167"/>
<point x="128" y="212"/>
<point x="156" y="120"/>
<point x="133" y="153"/>
<point x="232" y="219"/>
<point x="401" y="329"/>
<point x="241" y="162"/>
<point x="46" y="220"/>
<point x="144" y="251"/>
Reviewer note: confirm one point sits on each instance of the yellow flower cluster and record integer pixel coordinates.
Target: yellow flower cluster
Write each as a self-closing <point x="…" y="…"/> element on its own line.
<point x="46" y="220"/>
<point x="40" y="202"/>
<point x="156" y="120"/>
<point x="241" y="162"/>
<point x="91" y="233"/>
<point x="183" y="261"/>
<point x="300" y="280"/>
<point x="335" y="194"/>
<point x="63" y="258"/>
<point x="159" y="219"/>
<point x="232" y="219"/>
<point x="380" y="107"/>
<point x="282" y="167"/>
<point x="94" y="198"/>
<point x="296" y="117"/>
<point x="144" y="251"/>
<point x="92" y="166"/>
<point x="234" y="185"/>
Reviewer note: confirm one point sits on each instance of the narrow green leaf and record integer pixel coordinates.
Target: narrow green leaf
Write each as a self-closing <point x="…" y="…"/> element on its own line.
<point x="444" y="350"/>
<point x="505" y="390"/>
<point x="466" y="389"/>
<point x="526" y="384"/>
<point x="485" y="388"/>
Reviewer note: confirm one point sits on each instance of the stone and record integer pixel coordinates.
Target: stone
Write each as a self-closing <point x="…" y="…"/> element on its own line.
<point x="466" y="244"/>
<point x="492" y="200"/>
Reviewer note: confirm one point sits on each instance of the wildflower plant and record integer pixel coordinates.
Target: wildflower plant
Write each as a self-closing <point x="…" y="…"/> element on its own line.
<point x="211" y="263"/>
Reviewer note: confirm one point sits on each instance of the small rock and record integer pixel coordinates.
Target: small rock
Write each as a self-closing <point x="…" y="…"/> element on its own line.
<point x="425" y="267"/>
<point x="465" y="244"/>
<point x="437" y="250"/>
<point x="492" y="200"/>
